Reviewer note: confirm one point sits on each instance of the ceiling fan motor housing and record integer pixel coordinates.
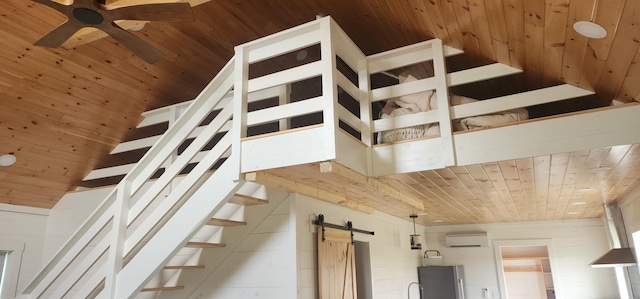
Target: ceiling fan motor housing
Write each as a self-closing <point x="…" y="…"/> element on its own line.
<point x="92" y="13"/>
<point x="88" y="16"/>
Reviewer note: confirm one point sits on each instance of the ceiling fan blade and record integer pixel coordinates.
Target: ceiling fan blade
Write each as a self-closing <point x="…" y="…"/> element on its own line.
<point x="166" y="12"/>
<point x="59" y="35"/>
<point x="135" y="44"/>
<point x="90" y="4"/>
<point x="64" y="9"/>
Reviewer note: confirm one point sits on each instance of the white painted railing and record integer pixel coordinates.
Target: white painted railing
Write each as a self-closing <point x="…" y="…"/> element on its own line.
<point x="131" y="234"/>
<point x="318" y="143"/>
<point x="108" y="242"/>
<point x="123" y="243"/>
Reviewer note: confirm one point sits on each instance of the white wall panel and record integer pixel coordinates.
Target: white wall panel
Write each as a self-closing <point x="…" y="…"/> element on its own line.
<point x="291" y="148"/>
<point x="630" y="207"/>
<point x="22" y="230"/>
<point x="261" y="266"/>
<point x="575" y="245"/>
<point x="67" y="216"/>
<point x="394" y="264"/>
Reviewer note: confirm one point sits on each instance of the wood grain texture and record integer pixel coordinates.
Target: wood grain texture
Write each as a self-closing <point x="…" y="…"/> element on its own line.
<point x="544" y="188"/>
<point x="336" y="264"/>
<point x="65" y="109"/>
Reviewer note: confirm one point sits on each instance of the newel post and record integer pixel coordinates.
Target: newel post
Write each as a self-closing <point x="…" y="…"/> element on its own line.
<point x="118" y="237"/>
<point x="329" y="87"/>
<point x="240" y="103"/>
<point x="444" y="110"/>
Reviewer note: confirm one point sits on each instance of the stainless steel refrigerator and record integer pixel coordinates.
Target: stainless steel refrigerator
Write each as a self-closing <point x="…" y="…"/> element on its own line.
<point x="441" y="282"/>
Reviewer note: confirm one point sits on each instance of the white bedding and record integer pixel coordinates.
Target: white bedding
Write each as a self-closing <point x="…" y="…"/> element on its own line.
<point x="425" y="101"/>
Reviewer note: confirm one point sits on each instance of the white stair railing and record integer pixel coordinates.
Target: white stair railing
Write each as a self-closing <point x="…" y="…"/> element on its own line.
<point x="132" y="233"/>
<point x="94" y="255"/>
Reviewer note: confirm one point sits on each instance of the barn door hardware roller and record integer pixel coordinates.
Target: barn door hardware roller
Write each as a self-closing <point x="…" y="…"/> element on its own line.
<point x="320" y="221"/>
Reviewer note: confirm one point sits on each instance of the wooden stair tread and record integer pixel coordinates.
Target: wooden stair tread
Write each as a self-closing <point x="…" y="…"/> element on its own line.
<point x="225" y="222"/>
<point x="205" y="245"/>
<point x="183" y="267"/>
<point x="158" y="289"/>
<point x="246" y="200"/>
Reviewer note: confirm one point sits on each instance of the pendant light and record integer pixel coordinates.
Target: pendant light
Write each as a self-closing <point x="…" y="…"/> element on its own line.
<point x="416" y="244"/>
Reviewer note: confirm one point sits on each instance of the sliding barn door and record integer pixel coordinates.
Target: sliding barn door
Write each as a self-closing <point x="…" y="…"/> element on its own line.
<point x="336" y="265"/>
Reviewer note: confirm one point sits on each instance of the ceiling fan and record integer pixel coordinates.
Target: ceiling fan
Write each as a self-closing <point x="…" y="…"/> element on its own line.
<point x="94" y="13"/>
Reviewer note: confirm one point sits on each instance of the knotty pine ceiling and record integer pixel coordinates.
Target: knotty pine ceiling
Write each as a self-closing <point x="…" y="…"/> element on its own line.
<point x="64" y="109"/>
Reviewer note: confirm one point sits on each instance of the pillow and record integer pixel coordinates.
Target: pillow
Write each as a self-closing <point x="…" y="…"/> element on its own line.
<point x="453" y="100"/>
<point x="402" y="133"/>
<point x="417" y="102"/>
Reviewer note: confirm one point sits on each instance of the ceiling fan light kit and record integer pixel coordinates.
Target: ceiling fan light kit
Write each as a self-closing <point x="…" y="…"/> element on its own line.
<point x="93" y="13"/>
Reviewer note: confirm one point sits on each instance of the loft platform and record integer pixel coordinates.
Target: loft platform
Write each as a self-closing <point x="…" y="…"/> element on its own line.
<point x="339" y="123"/>
<point x="297" y="110"/>
<point x="311" y="125"/>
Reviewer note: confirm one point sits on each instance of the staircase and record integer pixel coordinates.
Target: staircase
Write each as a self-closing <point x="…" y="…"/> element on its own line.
<point x="151" y="228"/>
<point x="135" y="232"/>
<point x="209" y="237"/>
<point x="158" y="221"/>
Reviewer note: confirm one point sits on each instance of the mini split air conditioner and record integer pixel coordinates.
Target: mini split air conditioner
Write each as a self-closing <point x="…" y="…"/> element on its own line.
<point x="469" y="239"/>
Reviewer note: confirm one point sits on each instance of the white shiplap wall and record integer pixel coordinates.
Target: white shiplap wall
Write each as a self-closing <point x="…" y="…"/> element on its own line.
<point x="393" y="263"/>
<point x="262" y="266"/>
<point x="278" y="259"/>
<point x="68" y="215"/>
<point x="575" y="245"/>
<point x="630" y="207"/>
<point x="22" y="229"/>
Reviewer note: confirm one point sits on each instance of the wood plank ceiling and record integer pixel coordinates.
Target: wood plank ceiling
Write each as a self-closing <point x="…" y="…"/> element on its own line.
<point x="64" y="109"/>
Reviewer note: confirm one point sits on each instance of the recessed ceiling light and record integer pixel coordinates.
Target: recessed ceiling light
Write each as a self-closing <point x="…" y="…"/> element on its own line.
<point x="7" y="160"/>
<point x="577" y="203"/>
<point x="438" y="220"/>
<point x="587" y="189"/>
<point x="590" y="29"/>
<point x="573" y="213"/>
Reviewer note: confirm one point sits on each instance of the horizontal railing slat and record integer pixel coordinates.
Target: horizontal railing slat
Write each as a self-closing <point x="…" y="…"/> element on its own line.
<point x="186" y="123"/>
<point x="181" y="161"/>
<point x="305" y="71"/>
<point x="284" y="111"/>
<point x="403" y="121"/>
<point x="519" y="100"/>
<point x="405" y="56"/>
<point x="81" y="268"/>
<point x="72" y="248"/>
<point x="177" y="193"/>
<point x="349" y="87"/>
<point x="283" y="42"/>
<point x="160" y="115"/>
<point x="349" y="118"/>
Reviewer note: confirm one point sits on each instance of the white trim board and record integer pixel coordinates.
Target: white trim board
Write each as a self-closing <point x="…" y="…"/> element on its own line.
<point x="9" y="285"/>
<point x="588" y="130"/>
<point x="23" y="209"/>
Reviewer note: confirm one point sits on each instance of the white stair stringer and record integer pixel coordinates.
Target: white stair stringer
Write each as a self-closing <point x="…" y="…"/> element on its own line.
<point x="178" y="230"/>
<point x="226" y="226"/>
<point x="233" y="237"/>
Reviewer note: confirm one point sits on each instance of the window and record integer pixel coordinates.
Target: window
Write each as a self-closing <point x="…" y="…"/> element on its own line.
<point x="10" y="259"/>
<point x="3" y="262"/>
<point x="634" y="272"/>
